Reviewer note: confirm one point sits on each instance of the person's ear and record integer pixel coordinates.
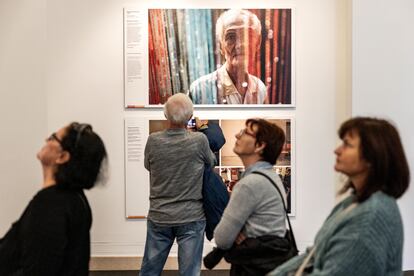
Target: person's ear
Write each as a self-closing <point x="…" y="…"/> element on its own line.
<point x="260" y="147"/>
<point x="63" y="158"/>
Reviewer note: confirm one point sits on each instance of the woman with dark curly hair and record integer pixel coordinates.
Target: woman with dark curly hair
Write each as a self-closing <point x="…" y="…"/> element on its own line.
<point x="52" y="235"/>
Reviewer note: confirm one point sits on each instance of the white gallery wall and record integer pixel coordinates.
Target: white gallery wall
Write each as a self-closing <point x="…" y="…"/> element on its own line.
<point x="63" y="61"/>
<point x="383" y="81"/>
<point x="23" y="98"/>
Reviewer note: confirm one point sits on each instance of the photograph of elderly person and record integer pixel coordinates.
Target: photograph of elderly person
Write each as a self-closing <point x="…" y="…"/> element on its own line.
<point x="255" y="208"/>
<point x="363" y="235"/>
<point x="239" y="35"/>
<point x="52" y="235"/>
<point x="220" y="56"/>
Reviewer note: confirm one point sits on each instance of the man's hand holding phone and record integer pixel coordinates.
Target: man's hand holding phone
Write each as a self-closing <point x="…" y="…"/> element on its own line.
<point x="200" y="123"/>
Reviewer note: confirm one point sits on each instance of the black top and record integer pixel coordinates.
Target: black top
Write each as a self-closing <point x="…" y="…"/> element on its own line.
<point x="51" y="237"/>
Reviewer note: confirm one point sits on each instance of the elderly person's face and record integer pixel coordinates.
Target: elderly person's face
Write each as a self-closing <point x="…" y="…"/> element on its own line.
<point x="239" y="41"/>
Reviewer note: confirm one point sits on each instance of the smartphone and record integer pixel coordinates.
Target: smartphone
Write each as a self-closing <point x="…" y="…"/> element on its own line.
<point x="191" y="123"/>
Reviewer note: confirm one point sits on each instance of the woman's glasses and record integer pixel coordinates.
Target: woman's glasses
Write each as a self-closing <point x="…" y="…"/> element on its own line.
<point x="53" y="136"/>
<point x="244" y="131"/>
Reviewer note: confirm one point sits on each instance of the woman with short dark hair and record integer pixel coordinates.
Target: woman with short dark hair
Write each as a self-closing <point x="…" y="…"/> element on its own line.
<point x="52" y="235"/>
<point x="256" y="208"/>
<point x="364" y="233"/>
<point x="381" y="147"/>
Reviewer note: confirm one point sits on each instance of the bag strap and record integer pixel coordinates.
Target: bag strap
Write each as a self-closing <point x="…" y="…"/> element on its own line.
<point x="305" y="262"/>
<point x="292" y="236"/>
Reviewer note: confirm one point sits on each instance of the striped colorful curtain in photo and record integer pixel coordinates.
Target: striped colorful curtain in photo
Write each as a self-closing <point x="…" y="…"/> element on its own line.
<point x="182" y="47"/>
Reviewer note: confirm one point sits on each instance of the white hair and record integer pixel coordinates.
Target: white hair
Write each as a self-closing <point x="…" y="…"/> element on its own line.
<point x="178" y="109"/>
<point x="237" y="16"/>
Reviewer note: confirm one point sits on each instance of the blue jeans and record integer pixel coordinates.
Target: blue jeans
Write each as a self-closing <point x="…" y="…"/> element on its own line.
<point x="160" y="238"/>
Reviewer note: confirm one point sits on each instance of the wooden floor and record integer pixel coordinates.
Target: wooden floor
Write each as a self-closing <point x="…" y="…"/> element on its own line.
<point x="174" y="273"/>
<point x="165" y="273"/>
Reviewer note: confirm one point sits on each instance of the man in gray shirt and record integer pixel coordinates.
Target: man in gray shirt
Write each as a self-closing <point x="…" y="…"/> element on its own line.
<point x="175" y="159"/>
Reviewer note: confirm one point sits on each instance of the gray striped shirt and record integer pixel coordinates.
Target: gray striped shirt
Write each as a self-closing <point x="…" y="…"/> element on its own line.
<point x="175" y="159"/>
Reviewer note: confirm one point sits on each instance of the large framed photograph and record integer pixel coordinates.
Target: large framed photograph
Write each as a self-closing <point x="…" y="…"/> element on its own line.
<point x="218" y="57"/>
<point x="229" y="166"/>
